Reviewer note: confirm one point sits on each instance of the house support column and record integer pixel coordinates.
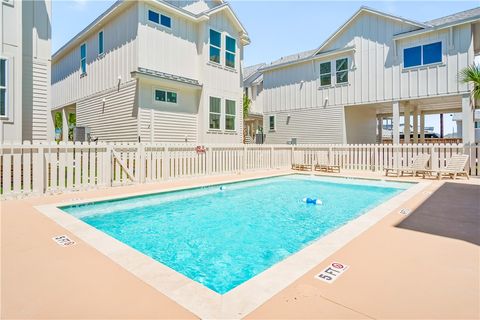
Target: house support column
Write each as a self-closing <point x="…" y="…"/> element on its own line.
<point x="468" y="131"/>
<point x="396" y="122"/>
<point x="380" y="129"/>
<point x="422" y="127"/>
<point x="415" y="124"/>
<point x="406" y="126"/>
<point x="64" y="125"/>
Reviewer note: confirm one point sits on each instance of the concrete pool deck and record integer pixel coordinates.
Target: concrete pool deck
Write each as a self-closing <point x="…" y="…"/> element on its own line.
<point x="394" y="272"/>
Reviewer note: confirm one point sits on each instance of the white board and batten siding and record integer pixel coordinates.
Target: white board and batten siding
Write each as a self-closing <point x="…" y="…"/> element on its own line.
<point x="103" y="71"/>
<point x="376" y="73"/>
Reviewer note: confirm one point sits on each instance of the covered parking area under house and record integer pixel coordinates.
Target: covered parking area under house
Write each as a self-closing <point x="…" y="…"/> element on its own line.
<point x="404" y="121"/>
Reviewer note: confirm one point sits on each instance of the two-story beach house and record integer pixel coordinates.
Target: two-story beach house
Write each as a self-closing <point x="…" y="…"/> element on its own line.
<point x="375" y="66"/>
<point x="25" y="63"/>
<point x="155" y="71"/>
<point x="253" y="92"/>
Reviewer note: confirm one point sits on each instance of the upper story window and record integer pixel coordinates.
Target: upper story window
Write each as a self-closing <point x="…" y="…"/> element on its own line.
<point x="3" y="87"/>
<point x="230" y="112"/>
<point x="271" y="123"/>
<point x="326" y="73"/>
<point x="341" y="67"/>
<point x="83" y="58"/>
<point x="165" y="96"/>
<point x="160" y="19"/>
<point x="422" y="55"/>
<point x="230" y="46"/>
<point x="100" y="43"/>
<point x="215" y="113"/>
<point x="215" y="45"/>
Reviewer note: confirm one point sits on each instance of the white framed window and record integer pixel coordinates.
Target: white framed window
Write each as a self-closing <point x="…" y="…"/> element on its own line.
<point x="158" y="18"/>
<point x="101" y="49"/>
<point x="230" y="49"/>
<point x="230" y="114"/>
<point x="271" y="123"/>
<point x="161" y="95"/>
<point x="83" y="58"/>
<point x="215" y="113"/>
<point x="326" y="73"/>
<point x="215" y="45"/>
<point x="422" y="55"/>
<point x="3" y="86"/>
<point x="341" y="70"/>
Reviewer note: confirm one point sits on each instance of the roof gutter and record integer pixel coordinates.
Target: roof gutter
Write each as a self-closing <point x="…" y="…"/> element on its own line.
<point x="310" y="58"/>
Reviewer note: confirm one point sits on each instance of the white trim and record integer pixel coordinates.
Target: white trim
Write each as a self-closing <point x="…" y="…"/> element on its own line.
<point x="98" y="43"/>
<point x="422" y="65"/>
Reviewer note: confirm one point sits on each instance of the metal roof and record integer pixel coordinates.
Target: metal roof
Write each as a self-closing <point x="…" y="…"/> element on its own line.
<point x="167" y="76"/>
<point x="459" y="16"/>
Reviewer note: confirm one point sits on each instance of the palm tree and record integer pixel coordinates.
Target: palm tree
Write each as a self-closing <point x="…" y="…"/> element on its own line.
<point x="471" y="74"/>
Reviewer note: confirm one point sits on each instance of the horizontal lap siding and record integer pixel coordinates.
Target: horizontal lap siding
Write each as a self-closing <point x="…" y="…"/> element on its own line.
<point x="40" y="102"/>
<point x="167" y="126"/>
<point x="315" y="125"/>
<point x="114" y="120"/>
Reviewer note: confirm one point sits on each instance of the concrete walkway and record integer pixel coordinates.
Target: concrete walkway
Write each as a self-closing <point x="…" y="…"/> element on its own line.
<point x="394" y="273"/>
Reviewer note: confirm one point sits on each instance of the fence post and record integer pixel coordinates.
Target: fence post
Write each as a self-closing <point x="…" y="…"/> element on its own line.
<point x="271" y="158"/>
<point x="292" y="152"/>
<point x="166" y="164"/>
<point x="108" y="165"/>
<point x="140" y="164"/>
<point x="434" y="158"/>
<point x="209" y="155"/>
<point x="244" y="162"/>
<point x="39" y="171"/>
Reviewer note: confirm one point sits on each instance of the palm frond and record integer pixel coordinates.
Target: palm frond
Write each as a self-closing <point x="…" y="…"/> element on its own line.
<point x="471" y="74"/>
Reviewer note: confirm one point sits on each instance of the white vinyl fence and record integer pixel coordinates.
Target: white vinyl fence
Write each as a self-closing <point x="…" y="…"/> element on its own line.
<point x="50" y="167"/>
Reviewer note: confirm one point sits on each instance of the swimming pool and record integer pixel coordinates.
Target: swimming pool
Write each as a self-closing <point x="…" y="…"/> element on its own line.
<point x="222" y="238"/>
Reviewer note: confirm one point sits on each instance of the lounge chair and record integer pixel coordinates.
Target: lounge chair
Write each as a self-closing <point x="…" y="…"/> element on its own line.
<point x="416" y="167"/>
<point x="299" y="163"/>
<point x="455" y="167"/>
<point x="323" y="164"/>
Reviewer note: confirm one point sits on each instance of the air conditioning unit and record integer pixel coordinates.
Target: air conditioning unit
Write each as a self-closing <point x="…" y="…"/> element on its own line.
<point x="81" y="134"/>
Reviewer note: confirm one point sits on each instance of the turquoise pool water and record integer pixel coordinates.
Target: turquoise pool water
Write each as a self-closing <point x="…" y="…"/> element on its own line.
<point x="222" y="238"/>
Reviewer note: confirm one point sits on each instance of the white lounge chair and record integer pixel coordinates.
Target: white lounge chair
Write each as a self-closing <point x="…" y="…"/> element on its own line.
<point x="417" y="166"/>
<point x="323" y="163"/>
<point x="455" y="167"/>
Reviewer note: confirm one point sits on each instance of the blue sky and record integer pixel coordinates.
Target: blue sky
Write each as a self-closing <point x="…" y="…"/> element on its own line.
<point x="276" y="28"/>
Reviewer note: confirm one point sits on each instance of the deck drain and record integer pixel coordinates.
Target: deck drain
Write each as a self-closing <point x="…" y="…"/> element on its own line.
<point x="63" y="241"/>
<point x="405" y="211"/>
<point x="332" y="272"/>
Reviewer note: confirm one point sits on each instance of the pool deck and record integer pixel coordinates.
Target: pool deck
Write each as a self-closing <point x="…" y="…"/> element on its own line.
<point x="396" y="271"/>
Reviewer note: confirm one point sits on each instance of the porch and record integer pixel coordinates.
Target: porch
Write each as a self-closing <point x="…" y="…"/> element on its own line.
<point x="404" y="122"/>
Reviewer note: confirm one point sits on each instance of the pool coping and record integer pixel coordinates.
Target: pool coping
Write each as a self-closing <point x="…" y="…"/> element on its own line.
<point x="243" y="299"/>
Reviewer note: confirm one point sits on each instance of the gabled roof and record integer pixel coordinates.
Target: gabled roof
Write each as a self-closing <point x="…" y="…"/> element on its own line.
<point x="119" y="5"/>
<point x="251" y="72"/>
<point x="372" y="11"/>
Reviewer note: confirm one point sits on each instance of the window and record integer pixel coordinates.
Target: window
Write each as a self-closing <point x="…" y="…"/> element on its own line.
<point x="271" y="123"/>
<point x="432" y="53"/>
<point x="153" y="16"/>
<point x="165" y="96"/>
<point x="412" y="57"/>
<point x="100" y="43"/>
<point x="230" y="115"/>
<point x="230" y="46"/>
<point x="326" y="73"/>
<point x="215" y="46"/>
<point x="422" y="55"/>
<point x="341" y="67"/>
<point x="158" y="18"/>
<point x="83" y="58"/>
<point x="166" y="21"/>
<point x="214" y="115"/>
<point x="3" y="87"/>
